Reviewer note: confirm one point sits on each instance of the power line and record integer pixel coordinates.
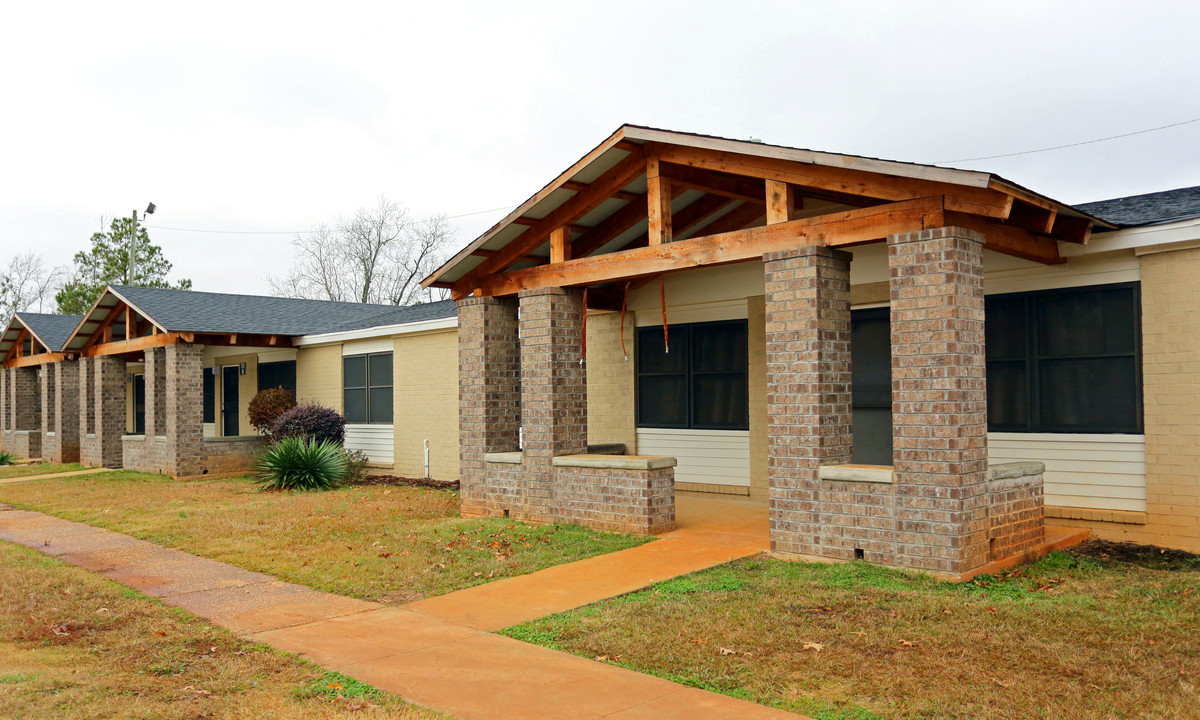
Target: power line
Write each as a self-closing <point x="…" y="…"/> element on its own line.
<point x="302" y="232"/>
<point x="1070" y="145"/>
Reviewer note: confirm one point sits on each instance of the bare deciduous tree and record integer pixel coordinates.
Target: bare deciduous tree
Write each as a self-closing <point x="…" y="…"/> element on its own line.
<point x="27" y="284"/>
<point x="379" y="255"/>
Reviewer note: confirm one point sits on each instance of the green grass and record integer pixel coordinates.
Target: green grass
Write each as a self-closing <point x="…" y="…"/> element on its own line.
<point x="387" y="544"/>
<point x="1068" y="637"/>
<point x="76" y="646"/>
<point x="37" y="468"/>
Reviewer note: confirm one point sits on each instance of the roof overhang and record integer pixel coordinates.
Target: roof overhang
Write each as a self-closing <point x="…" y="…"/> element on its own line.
<point x="382" y="331"/>
<point x="610" y="180"/>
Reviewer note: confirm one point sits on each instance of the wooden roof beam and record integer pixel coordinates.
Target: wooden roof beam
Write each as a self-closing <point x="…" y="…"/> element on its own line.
<point x="837" y="229"/>
<point x="975" y="200"/>
<point x="576" y="207"/>
<point x="691" y="216"/>
<point x="658" y="203"/>
<point x="1009" y="240"/>
<point x="715" y="183"/>
<point x="620" y="194"/>
<point x="616" y="225"/>
<point x="781" y="202"/>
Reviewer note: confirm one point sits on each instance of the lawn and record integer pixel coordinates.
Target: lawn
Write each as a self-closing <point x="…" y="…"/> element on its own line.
<point x="1071" y="637"/>
<point x="383" y="543"/>
<point x="74" y="645"/>
<point x="37" y="468"/>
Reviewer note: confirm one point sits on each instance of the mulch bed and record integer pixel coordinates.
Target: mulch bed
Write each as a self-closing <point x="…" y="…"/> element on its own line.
<point x="406" y="482"/>
<point x="1147" y="556"/>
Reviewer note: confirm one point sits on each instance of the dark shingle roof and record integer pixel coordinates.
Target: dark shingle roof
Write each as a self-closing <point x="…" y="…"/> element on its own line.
<point x="54" y="330"/>
<point x="192" y="311"/>
<point x="1149" y="209"/>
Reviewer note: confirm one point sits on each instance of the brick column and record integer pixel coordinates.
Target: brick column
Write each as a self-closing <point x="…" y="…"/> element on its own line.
<point x="807" y="307"/>
<point x="103" y="379"/>
<point x="64" y="446"/>
<point x="49" y="393"/>
<point x="939" y="399"/>
<point x="154" y="376"/>
<point x="489" y="400"/>
<point x="182" y="416"/>
<point x="25" y="399"/>
<point x="553" y="390"/>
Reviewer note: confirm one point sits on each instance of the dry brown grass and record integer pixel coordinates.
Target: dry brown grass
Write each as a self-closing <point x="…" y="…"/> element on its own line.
<point x="1067" y="638"/>
<point x="74" y="645"/>
<point x="387" y="544"/>
<point x="36" y="468"/>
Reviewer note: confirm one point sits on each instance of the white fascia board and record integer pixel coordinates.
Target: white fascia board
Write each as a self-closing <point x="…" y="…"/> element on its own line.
<point x="1136" y="239"/>
<point x="381" y="331"/>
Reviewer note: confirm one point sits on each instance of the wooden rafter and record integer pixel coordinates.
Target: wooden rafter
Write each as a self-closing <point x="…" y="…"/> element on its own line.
<point x="736" y="187"/>
<point x="736" y="219"/>
<point x="1009" y="239"/>
<point x="689" y="217"/>
<point x="581" y="204"/>
<point x="837" y="229"/>
<point x="581" y="186"/>
<point x="103" y="332"/>
<point x="18" y="346"/>
<point x="615" y="225"/>
<point x="975" y="200"/>
<point x="38" y="359"/>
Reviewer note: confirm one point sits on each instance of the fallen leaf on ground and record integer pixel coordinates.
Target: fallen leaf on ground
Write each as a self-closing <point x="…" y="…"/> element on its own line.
<point x="818" y="647"/>
<point x="727" y="651"/>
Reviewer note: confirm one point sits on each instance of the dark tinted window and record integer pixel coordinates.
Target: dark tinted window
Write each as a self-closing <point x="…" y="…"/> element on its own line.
<point x="367" y="388"/>
<point x="210" y="395"/>
<point x="701" y="383"/>
<point x="278" y="375"/>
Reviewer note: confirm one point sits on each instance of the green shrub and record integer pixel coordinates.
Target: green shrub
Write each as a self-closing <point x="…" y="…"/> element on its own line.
<point x="266" y="407"/>
<point x="356" y="465"/>
<point x="297" y="463"/>
<point x="6" y="458"/>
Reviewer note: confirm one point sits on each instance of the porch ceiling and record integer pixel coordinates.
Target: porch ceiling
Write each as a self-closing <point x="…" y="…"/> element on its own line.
<point x="642" y="188"/>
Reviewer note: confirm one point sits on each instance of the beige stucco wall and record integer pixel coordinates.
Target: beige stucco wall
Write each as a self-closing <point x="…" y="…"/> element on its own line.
<point x="610" y="380"/>
<point x="425" y="381"/>
<point x="319" y="376"/>
<point x="1171" y="383"/>
<point x="247" y="388"/>
<point x="757" y="379"/>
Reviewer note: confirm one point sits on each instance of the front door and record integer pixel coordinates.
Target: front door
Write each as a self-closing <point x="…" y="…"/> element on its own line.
<point x="229" y="401"/>
<point x="871" y="357"/>
<point x="139" y="404"/>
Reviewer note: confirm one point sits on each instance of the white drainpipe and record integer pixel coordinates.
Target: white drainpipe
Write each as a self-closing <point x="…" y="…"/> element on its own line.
<point x="426" y="457"/>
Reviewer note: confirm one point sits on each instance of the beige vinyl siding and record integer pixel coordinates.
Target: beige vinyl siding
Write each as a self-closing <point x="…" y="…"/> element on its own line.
<point x="1101" y="472"/>
<point x="425" y="405"/>
<point x="719" y="457"/>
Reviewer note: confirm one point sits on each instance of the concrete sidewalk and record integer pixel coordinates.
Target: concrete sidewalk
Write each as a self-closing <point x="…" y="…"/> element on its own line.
<point x="437" y="652"/>
<point x="88" y="471"/>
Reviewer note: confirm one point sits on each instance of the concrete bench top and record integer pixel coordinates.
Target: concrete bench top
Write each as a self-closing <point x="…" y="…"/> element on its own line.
<point x="615" y="462"/>
<point x="511" y="458"/>
<point x="858" y="473"/>
<point x="1004" y="471"/>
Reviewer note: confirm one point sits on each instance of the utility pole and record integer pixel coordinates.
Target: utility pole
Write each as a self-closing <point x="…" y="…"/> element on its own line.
<point x="132" y="247"/>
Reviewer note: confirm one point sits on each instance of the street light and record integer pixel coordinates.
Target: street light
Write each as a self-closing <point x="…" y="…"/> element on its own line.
<point x="133" y="240"/>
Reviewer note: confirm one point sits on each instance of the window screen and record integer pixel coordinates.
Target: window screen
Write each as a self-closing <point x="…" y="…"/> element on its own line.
<point x="367" y="388"/>
<point x="210" y="395"/>
<point x="1066" y="360"/>
<point x="278" y="375"/>
<point x="701" y="383"/>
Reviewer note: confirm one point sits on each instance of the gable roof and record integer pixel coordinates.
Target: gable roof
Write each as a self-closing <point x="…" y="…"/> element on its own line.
<point x="192" y="311"/>
<point x="1154" y="208"/>
<point x="617" y="147"/>
<point x="50" y="330"/>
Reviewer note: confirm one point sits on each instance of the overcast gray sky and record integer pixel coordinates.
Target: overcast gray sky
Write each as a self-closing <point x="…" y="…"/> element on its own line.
<point x="253" y="117"/>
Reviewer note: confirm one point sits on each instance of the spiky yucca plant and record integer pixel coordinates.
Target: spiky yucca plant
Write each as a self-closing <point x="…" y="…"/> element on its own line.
<point x="296" y="463"/>
<point x="6" y="458"/>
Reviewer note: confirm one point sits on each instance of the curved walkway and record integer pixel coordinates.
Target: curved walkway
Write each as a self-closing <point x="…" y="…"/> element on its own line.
<point x="438" y="652"/>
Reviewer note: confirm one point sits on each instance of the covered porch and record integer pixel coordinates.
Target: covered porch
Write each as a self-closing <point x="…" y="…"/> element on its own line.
<point x="763" y="238"/>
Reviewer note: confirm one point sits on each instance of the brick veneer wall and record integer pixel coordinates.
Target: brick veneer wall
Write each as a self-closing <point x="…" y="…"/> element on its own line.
<point x="632" y="501"/>
<point x="222" y="455"/>
<point x="553" y="390"/>
<point x="64" y="446"/>
<point x="1016" y="509"/>
<point x="489" y="401"/>
<point x="103" y="378"/>
<point x="23" y="436"/>
<point x="939" y="399"/>
<point x="807" y="308"/>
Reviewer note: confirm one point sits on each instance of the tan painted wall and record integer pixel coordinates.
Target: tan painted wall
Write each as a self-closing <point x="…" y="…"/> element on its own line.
<point x="610" y="380"/>
<point x="247" y="388"/>
<point x="1171" y="382"/>
<point x="757" y="372"/>
<point x="425" y="397"/>
<point x="319" y="376"/>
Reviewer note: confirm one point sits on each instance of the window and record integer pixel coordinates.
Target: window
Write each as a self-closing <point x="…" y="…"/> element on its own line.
<point x="701" y="384"/>
<point x="277" y="375"/>
<point x="1066" y="360"/>
<point x="367" y="388"/>
<point x="210" y="395"/>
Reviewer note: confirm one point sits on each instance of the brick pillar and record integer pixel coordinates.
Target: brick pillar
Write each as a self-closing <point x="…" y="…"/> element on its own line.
<point x="182" y="416"/>
<point x="939" y="399"/>
<point x="64" y="447"/>
<point x="49" y="394"/>
<point x="807" y="307"/>
<point x="553" y="391"/>
<point x="26" y="399"/>
<point x="154" y="375"/>
<point x="489" y="401"/>
<point x="103" y="413"/>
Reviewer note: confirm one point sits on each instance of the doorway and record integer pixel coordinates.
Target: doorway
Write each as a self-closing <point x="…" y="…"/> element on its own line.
<point x="871" y="361"/>
<point x="229" y="401"/>
<point x="139" y="404"/>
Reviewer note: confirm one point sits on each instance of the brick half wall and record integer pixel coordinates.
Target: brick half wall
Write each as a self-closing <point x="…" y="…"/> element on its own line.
<point x="1016" y="509"/>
